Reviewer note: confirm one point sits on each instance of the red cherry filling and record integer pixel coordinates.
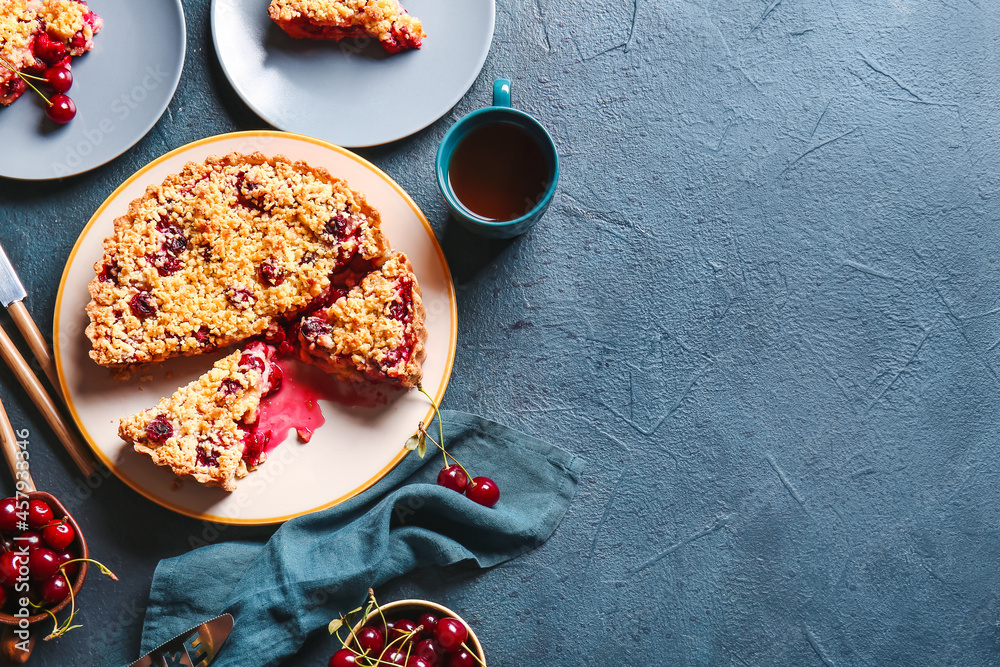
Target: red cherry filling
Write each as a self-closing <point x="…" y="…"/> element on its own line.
<point x="229" y="387"/>
<point x="270" y="273"/>
<point x="142" y="305"/>
<point x="275" y="379"/>
<point x="337" y="228"/>
<point x="48" y="49"/>
<point x="13" y="88"/>
<point x="240" y="297"/>
<point x="159" y="429"/>
<point x="109" y="273"/>
<point x="206" y="458"/>
<point x="166" y="264"/>
<point x="254" y="444"/>
<point x="401" y="308"/>
<point x="313" y="327"/>
<point x="252" y="361"/>
<point x="249" y="194"/>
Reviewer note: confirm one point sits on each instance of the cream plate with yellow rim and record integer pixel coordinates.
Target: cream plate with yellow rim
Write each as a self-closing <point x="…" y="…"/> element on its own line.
<point x="354" y="448"/>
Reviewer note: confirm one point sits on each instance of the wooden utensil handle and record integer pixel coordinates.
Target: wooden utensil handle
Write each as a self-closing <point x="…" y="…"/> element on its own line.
<point x="9" y="650"/>
<point x="8" y="442"/>
<point x="77" y="450"/>
<point x="36" y="343"/>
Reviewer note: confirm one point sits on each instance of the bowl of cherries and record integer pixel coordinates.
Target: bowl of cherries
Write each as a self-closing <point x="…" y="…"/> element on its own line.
<point x="42" y="566"/>
<point x="409" y="633"/>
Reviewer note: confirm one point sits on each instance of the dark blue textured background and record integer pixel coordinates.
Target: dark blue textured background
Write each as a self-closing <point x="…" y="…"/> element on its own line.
<point x="762" y="306"/>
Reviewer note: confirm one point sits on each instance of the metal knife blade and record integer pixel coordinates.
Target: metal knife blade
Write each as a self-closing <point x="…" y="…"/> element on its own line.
<point x="195" y="648"/>
<point x="11" y="289"/>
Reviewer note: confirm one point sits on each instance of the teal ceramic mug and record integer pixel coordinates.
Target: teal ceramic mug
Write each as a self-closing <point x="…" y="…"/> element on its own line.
<point x="503" y="121"/>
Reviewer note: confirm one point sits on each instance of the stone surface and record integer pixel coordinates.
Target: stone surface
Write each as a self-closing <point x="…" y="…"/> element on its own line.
<point x="763" y="306"/>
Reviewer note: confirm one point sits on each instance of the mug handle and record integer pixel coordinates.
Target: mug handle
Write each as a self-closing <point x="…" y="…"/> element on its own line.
<point x="501" y="93"/>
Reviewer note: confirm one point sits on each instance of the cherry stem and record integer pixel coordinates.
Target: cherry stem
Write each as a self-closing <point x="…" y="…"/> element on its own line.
<point x="104" y="570"/>
<point x="7" y="64"/>
<point x="438" y="412"/>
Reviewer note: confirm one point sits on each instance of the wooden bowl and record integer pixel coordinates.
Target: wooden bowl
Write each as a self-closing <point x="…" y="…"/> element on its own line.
<point x="413" y="609"/>
<point x="9" y="651"/>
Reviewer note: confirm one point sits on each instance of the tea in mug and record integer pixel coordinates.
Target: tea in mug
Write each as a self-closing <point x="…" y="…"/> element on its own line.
<point x="499" y="172"/>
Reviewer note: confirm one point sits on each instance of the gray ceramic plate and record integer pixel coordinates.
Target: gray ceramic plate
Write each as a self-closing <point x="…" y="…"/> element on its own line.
<point x="121" y="89"/>
<point x="349" y="93"/>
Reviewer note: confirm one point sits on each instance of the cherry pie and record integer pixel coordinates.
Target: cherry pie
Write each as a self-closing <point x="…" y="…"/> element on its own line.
<point x="208" y="429"/>
<point x="384" y="20"/>
<point x="38" y="34"/>
<point x="248" y="248"/>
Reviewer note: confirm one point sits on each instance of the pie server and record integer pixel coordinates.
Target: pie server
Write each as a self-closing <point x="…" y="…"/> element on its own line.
<point x="195" y="648"/>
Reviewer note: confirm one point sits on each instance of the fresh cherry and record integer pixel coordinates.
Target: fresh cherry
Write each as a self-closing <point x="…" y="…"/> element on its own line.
<point x="454" y="478"/>
<point x="484" y="491"/>
<point x="429" y="621"/>
<point x="404" y="626"/>
<point x="60" y="79"/>
<point x="344" y="658"/>
<point x="10" y="563"/>
<point x="450" y="633"/>
<point x="394" y="657"/>
<point x="43" y="564"/>
<point x="8" y="515"/>
<point x="39" y="514"/>
<point x="71" y="569"/>
<point x="54" y="589"/>
<point x="417" y="661"/>
<point x="61" y="109"/>
<point x="30" y="538"/>
<point x="462" y="658"/>
<point x="371" y="639"/>
<point x="58" y="535"/>
<point x="429" y="650"/>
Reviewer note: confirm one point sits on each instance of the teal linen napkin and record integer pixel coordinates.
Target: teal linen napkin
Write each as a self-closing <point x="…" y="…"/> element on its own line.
<point x="318" y="566"/>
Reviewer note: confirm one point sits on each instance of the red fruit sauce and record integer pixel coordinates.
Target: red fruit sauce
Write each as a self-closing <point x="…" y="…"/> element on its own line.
<point x="296" y="405"/>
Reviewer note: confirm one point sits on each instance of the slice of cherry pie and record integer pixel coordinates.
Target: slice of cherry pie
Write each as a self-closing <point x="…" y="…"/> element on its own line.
<point x="374" y="330"/>
<point x="384" y="20"/>
<point x="38" y="34"/>
<point x="208" y="429"/>
<point x="219" y="252"/>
